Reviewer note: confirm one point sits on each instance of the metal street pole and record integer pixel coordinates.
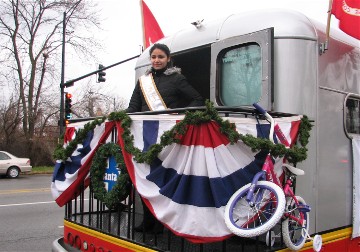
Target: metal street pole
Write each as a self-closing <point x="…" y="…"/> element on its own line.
<point x="61" y="121"/>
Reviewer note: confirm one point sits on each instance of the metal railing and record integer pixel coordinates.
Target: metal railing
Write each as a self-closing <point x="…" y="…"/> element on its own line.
<point x="91" y="213"/>
<point x="86" y="210"/>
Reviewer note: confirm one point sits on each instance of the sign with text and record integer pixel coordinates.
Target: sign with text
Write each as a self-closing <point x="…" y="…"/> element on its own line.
<point x="111" y="173"/>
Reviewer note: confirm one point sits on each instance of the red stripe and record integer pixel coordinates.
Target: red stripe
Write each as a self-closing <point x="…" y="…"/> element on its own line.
<point x="280" y="135"/>
<point x="127" y="156"/>
<point x="205" y="134"/>
<point x="69" y="132"/>
<point x="294" y="131"/>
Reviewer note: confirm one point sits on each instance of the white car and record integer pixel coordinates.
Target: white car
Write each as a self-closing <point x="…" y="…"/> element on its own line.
<point x="12" y="166"/>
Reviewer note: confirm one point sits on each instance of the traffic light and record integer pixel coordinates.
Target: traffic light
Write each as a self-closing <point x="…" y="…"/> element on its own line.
<point x="68" y="105"/>
<point x="101" y="74"/>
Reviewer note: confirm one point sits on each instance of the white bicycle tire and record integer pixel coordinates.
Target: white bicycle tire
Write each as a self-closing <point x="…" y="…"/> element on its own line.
<point x="271" y="222"/>
<point x="285" y="228"/>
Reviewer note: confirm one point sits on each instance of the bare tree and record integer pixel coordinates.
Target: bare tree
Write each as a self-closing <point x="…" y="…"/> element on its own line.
<point x="31" y="42"/>
<point x="92" y="100"/>
<point x="10" y="120"/>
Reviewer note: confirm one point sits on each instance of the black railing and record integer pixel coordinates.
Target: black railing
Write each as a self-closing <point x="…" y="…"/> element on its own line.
<point x="222" y="110"/>
<point x="121" y="222"/>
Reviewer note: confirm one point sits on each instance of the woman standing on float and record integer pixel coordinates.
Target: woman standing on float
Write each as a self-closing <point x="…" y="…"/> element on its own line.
<point x="161" y="87"/>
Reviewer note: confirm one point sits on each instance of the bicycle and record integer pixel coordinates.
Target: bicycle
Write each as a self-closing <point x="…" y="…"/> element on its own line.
<point x="257" y="207"/>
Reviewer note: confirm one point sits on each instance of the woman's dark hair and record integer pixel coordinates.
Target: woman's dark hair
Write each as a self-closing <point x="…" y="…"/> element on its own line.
<point x="162" y="47"/>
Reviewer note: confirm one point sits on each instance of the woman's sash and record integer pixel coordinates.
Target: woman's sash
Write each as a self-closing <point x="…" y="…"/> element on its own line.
<point x="151" y="93"/>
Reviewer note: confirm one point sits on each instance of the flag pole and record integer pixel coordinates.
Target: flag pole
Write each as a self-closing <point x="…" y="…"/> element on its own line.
<point x="328" y="26"/>
<point x="142" y="25"/>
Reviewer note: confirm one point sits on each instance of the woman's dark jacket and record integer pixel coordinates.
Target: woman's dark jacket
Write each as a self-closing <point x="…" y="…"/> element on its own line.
<point x="173" y="88"/>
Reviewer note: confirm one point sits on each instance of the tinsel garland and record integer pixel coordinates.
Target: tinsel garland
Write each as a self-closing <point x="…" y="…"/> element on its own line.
<point x="294" y="154"/>
<point x="121" y="190"/>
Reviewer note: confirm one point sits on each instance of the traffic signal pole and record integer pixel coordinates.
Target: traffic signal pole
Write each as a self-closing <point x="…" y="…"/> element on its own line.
<point x="62" y="85"/>
<point x="70" y="83"/>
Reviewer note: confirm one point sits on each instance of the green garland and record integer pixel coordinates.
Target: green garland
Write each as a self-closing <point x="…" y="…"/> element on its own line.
<point x="121" y="189"/>
<point x="294" y="154"/>
<point x="62" y="154"/>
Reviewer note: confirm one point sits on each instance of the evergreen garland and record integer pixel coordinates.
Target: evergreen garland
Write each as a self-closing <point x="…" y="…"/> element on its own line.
<point x="121" y="190"/>
<point x="62" y="154"/>
<point x="294" y="154"/>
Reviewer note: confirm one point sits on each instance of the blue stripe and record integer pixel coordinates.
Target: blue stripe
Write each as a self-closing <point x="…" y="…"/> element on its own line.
<point x="263" y="131"/>
<point x="150" y="133"/>
<point x="72" y="166"/>
<point x="202" y="191"/>
<point x="58" y="169"/>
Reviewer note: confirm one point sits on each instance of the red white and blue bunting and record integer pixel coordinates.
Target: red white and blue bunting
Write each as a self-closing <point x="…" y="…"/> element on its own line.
<point x="189" y="182"/>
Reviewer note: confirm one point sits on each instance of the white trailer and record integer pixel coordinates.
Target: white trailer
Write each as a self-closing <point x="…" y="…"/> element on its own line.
<point x="275" y="58"/>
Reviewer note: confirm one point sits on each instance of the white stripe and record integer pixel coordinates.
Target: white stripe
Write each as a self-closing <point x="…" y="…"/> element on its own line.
<point x="31" y="203"/>
<point x="200" y="161"/>
<point x="246" y="129"/>
<point x="143" y="185"/>
<point x="241" y="154"/>
<point x="188" y="219"/>
<point x="136" y="129"/>
<point x="165" y="125"/>
<point x="286" y="128"/>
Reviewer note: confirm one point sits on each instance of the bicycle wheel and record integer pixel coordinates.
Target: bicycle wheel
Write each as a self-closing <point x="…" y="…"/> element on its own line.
<point x="249" y="221"/>
<point x="295" y="234"/>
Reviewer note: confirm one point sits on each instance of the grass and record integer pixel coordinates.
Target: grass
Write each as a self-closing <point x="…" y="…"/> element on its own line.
<point x="42" y="170"/>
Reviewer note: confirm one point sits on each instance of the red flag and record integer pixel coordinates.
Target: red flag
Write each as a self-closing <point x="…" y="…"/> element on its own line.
<point x="348" y="13"/>
<point x="151" y="29"/>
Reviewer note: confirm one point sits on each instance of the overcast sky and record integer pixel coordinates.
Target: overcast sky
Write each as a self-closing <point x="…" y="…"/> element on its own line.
<point x="122" y="34"/>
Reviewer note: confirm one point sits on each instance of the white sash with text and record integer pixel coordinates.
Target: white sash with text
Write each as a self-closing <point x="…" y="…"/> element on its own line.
<point x="152" y="96"/>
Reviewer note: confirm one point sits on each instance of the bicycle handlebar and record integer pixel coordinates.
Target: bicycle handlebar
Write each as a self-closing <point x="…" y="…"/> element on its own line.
<point x="269" y="117"/>
<point x="259" y="108"/>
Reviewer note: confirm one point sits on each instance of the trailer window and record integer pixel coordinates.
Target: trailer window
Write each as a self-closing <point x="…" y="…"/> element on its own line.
<point x="241" y="75"/>
<point x="352" y="116"/>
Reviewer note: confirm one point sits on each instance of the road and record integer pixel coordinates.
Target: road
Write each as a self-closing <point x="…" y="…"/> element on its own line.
<point x="30" y="220"/>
